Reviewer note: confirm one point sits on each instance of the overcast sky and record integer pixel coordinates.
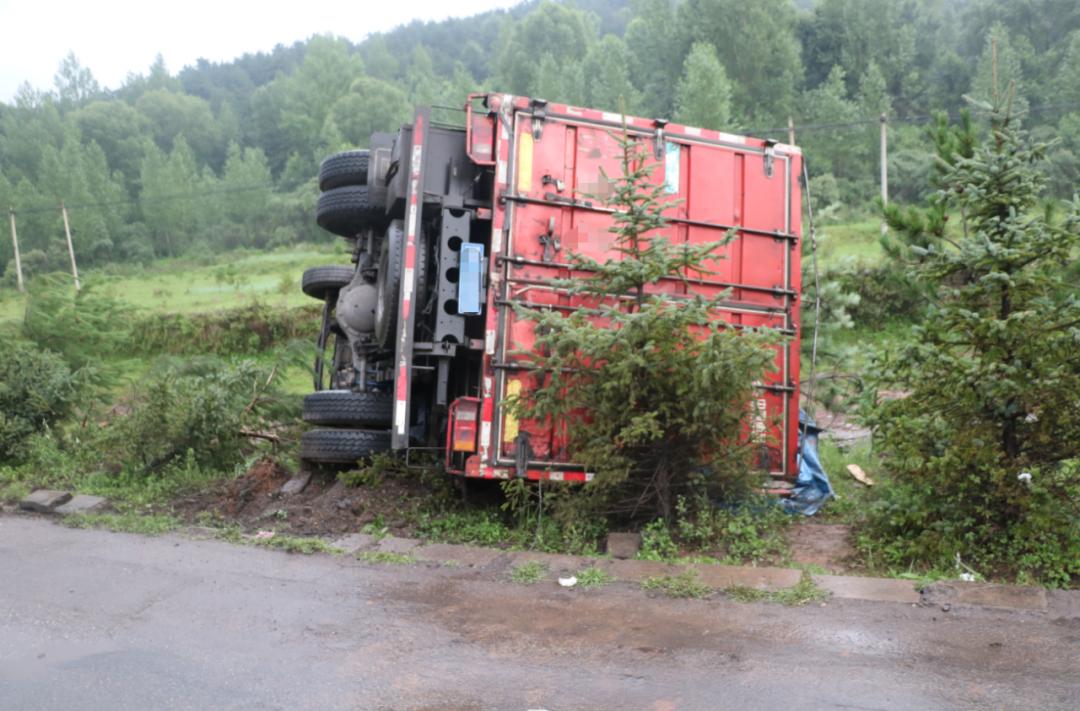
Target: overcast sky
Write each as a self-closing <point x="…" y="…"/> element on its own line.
<point x="115" y="37"/>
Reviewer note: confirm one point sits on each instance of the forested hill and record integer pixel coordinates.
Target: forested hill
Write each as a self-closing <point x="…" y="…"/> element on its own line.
<point x="222" y="155"/>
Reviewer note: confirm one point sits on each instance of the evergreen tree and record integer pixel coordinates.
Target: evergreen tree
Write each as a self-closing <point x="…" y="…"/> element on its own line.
<point x="703" y="95"/>
<point x="981" y="444"/>
<point x="999" y="69"/>
<point x="607" y="77"/>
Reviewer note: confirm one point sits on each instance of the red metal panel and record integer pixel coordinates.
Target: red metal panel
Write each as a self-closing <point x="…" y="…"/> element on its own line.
<point x="552" y="176"/>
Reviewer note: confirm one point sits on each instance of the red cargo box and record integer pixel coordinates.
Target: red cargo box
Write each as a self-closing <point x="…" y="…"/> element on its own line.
<point x="549" y="162"/>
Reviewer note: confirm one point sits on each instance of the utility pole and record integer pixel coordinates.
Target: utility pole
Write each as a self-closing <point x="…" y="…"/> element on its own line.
<point x="790" y="131"/>
<point x="71" y="249"/>
<point x="884" y="167"/>
<point x="15" y="244"/>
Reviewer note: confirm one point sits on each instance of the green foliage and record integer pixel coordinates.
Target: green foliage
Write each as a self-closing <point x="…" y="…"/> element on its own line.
<point x="528" y="573"/>
<point x="992" y="382"/>
<point x="656" y="542"/>
<point x="254" y="328"/>
<point x="83" y="327"/>
<point x="703" y="96"/>
<point x="483" y="528"/>
<point x="37" y="390"/>
<point x="593" y="578"/>
<point x="151" y="168"/>
<point x="196" y="409"/>
<point x="750" y="533"/>
<point x="663" y="380"/>
<point x="685" y="584"/>
<point x="374" y="470"/>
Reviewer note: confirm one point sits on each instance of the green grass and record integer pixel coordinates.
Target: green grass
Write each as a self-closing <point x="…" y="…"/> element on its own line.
<point x="386" y="557"/>
<point x="528" y="573"/>
<point x="852" y="497"/>
<point x="802" y="593"/>
<point x="685" y="584"/>
<point x="145" y="524"/>
<point x="857" y="241"/>
<point x="191" y="286"/>
<point x="594" y="578"/>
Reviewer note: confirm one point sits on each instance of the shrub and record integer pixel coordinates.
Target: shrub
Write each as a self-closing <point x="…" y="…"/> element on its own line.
<point x="252" y="329"/>
<point x="37" y="390"/>
<point x="83" y="327"/>
<point x="984" y="445"/>
<point x="196" y="409"/>
<point x="885" y="293"/>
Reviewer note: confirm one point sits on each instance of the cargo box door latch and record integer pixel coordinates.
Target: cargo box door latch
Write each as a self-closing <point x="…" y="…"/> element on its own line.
<point x="770" y="156"/>
<point x="539" y="115"/>
<point x="550" y="241"/>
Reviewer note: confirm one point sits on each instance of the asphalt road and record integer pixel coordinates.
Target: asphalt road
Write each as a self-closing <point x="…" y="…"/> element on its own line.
<point x="98" y="620"/>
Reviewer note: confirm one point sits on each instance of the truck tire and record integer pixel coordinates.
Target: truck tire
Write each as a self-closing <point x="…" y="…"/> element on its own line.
<point x="342" y="446"/>
<point x="345" y="168"/>
<point x="388" y="281"/>
<point x="345" y="211"/>
<point x="323" y="282"/>
<point x="344" y="408"/>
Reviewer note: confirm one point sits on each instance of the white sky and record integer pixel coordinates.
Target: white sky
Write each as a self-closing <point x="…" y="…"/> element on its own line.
<point x="115" y="37"/>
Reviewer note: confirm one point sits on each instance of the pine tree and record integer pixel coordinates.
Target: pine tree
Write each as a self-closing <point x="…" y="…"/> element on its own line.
<point x="981" y="444"/>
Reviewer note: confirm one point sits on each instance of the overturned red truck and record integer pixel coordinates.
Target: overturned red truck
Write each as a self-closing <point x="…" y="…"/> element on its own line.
<point x="454" y="225"/>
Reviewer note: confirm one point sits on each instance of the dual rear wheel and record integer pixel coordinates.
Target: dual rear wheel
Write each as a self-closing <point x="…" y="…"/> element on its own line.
<point x="350" y="425"/>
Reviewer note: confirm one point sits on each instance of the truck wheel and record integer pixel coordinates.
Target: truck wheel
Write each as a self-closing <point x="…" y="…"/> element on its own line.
<point x="388" y="281"/>
<point x="345" y="211"/>
<point x="345" y="168"/>
<point x="322" y="282"/>
<point x="344" y="408"/>
<point x="342" y="446"/>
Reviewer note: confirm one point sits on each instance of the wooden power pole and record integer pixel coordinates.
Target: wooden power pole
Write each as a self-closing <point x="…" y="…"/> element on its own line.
<point x="884" y="167"/>
<point x="71" y="249"/>
<point x="15" y="244"/>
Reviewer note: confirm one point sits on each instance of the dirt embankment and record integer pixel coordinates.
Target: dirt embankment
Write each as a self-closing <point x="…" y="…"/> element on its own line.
<point x="326" y="506"/>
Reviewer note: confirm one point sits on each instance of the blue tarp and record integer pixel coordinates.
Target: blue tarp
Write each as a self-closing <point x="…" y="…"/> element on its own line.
<point x="812" y="488"/>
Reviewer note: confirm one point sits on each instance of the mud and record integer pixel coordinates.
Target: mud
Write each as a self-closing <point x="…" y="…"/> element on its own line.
<point x="827" y="545"/>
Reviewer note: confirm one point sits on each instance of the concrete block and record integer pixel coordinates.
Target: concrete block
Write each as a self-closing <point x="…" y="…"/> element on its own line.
<point x="296" y="485"/>
<point x="623" y="545"/>
<point x="468" y="556"/>
<point x="636" y="571"/>
<point x="852" y="587"/>
<point x="393" y="544"/>
<point x="765" y="578"/>
<point x="354" y="542"/>
<point x="83" y="504"/>
<point x="555" y="562"/>
<point x="1005" y="597"/>
<point x="44" y="500"/>
<point x="1063" y="604"/>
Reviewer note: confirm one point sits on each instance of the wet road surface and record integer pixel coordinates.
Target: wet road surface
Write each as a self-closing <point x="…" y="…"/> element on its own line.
<point x="99" y="620"/>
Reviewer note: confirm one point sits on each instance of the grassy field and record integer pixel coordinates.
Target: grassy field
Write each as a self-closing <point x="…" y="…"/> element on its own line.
<point x="189" y="286"/>
<point x="855" y="241"/>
